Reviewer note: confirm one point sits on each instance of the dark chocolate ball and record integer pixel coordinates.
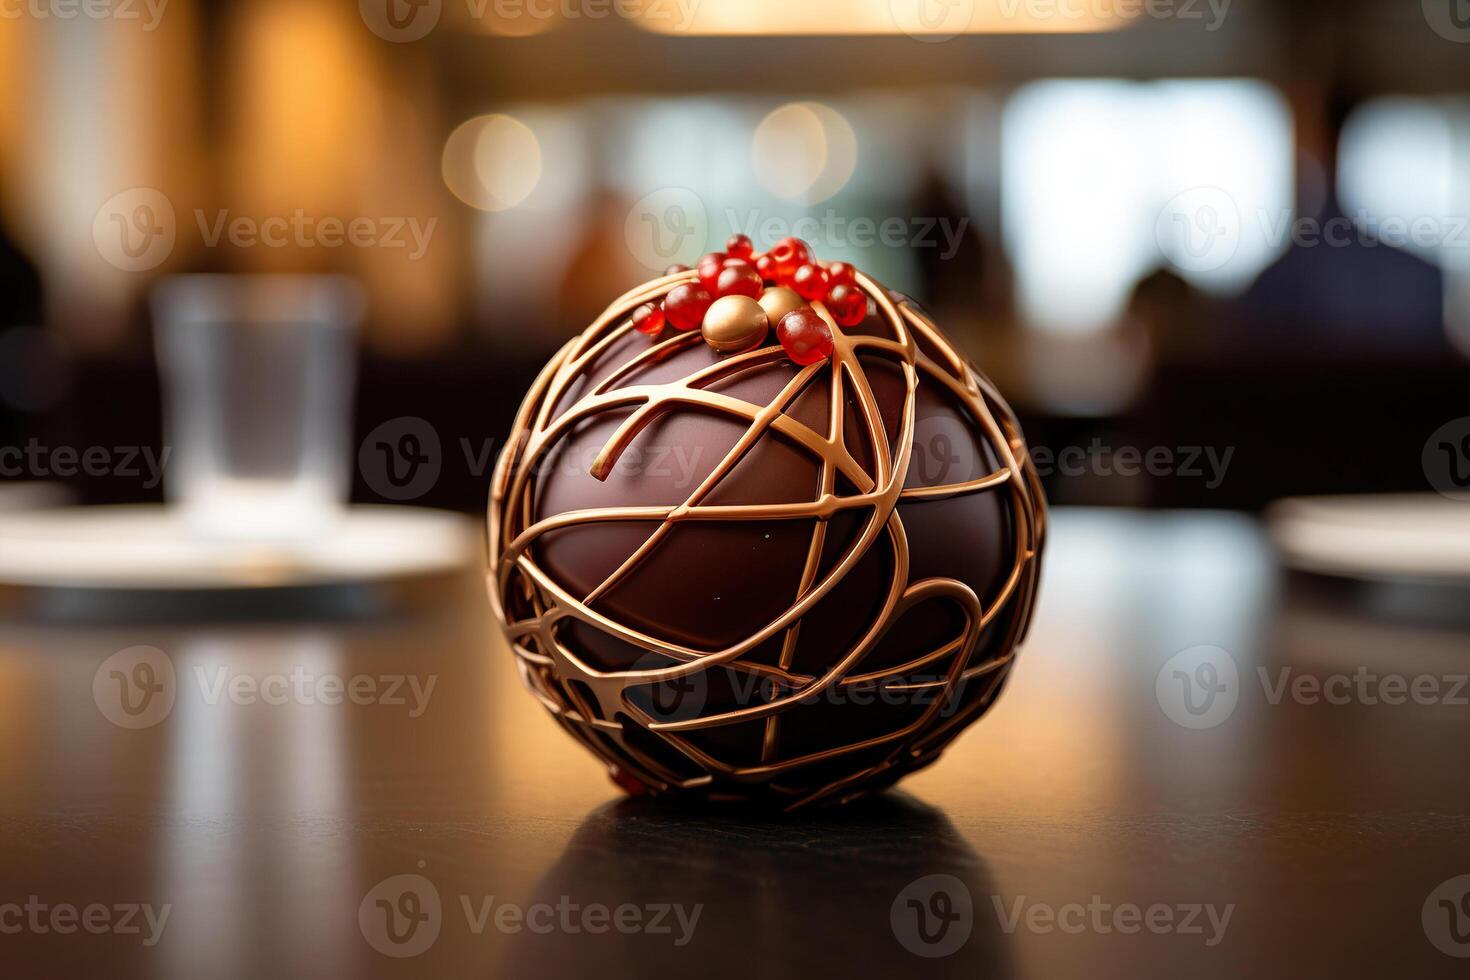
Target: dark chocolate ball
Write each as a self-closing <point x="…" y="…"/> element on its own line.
<point x="720" y="599"/>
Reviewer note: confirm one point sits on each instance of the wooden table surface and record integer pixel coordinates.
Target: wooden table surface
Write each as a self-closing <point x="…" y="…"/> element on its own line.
<point x="1077" y="830"/>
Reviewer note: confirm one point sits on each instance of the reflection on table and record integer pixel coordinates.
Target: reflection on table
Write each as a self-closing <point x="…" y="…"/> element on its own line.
<point x="267" y="804"/>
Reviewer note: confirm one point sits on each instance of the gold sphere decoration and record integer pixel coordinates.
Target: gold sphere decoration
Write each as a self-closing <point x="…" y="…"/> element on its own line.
<point x="734" y="323"/>
<point x="779" y="301"/>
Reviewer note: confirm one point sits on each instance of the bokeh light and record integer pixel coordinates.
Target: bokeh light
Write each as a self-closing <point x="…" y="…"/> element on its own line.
<point x="492" y="162"/>
<point x="804" y="152"/>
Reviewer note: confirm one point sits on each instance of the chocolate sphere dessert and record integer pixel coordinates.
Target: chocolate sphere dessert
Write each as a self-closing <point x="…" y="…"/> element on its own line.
<point x="787" y="569"/>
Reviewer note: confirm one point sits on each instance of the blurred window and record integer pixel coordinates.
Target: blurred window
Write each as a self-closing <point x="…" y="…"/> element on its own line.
<point x="1401" y="168"/>
<point x="1103" y="181"/>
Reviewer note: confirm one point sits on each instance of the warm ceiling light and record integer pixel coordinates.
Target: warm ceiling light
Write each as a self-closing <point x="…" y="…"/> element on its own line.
<point x="928" y="20"/>
<point x="804" y="152"/>
<point x="492" y="162"/>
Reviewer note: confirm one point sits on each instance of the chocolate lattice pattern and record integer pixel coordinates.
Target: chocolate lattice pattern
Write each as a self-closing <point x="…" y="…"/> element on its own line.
<point x="595" y="704"/>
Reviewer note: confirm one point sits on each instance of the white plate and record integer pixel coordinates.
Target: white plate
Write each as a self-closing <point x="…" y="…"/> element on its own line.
<point x="150" y="548"/>
<point x="1422" y="537"/>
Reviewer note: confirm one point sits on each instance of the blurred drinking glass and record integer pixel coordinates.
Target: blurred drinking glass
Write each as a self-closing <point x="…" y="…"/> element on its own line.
<point x="258" y="376"/>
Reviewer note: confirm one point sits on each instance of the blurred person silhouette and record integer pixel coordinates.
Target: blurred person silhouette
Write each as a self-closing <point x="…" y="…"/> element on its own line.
<point x="1176" y="321"/>
<point x="1290" y="375"/>
<point x="20" y="285"/>
<point x="23" y="383"/>
<point x="601" y="266"/>
<point x="965" y="279"/>
<point x="1338" y="289"/>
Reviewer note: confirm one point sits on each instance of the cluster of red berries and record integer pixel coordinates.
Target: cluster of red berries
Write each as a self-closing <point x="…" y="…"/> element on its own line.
<point x="740" y="271"/>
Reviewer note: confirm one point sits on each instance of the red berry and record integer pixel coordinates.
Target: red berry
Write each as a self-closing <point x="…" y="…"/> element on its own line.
<point x="805" y="335"/>
<point x="848" y="305"/>
<point x="811" y="282"/>
<point x="676" y="267"/>
<point x="648" y="319"/>
<point x="841" y="273"/>
<point x="739" y="246"/>
<point x="709" y="267"/>
<point x="685" y="305"/>
<point x="790" y="254"/>
<point x="738" y="278"/>
<point x="626" y="781"/>
<point x="766" y="266"/>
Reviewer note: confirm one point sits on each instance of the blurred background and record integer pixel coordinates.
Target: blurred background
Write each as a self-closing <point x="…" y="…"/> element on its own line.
<point x="1233" y="232"/>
